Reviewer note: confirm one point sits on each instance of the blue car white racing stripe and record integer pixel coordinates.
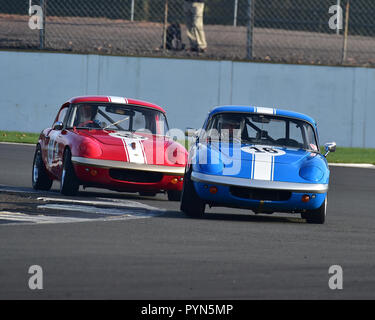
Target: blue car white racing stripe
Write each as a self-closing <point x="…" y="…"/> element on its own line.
<point x="263" y="161"/>
<point x="263" y="166"/>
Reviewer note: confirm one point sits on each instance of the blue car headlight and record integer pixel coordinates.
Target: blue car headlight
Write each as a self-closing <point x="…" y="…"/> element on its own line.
<point x="209" y="161"/>
<point x="212" y="168"/>
<point x="311" y="173"/>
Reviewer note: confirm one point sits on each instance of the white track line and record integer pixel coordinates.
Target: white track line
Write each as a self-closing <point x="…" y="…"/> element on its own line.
<point x="119" y="203"/>
<point x="16" y="217"/>
<point x="353" y="165"/>
<point x="113" y="215"/>
<point x="96" y="210"/>
<point x="124" y="210"/>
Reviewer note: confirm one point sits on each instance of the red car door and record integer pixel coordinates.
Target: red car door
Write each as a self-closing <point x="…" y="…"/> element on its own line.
<point x="55" y="141"/>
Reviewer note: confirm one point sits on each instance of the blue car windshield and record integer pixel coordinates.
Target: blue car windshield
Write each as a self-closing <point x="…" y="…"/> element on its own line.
<point x="259" y="129"/>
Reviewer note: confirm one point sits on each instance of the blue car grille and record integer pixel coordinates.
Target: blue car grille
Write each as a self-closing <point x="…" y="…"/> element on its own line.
<point x="260" y="194"/>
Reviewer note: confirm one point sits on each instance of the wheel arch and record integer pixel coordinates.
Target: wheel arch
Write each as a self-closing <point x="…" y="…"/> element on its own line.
<point x="67" y="148"/>
<point x="39" y="145"/>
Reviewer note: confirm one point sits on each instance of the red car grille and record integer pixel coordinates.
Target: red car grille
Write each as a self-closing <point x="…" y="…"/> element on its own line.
<point x="135" y="175"/>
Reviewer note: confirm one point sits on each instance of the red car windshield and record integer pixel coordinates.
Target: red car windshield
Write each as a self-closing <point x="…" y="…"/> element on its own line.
<point x="117" y="117"/>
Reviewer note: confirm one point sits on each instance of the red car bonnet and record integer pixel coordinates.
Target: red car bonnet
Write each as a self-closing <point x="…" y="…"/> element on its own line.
<point x="155" y="147"/>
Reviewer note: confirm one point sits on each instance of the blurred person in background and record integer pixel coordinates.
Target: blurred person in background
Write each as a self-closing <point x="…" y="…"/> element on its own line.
<point x="194" y="23"/>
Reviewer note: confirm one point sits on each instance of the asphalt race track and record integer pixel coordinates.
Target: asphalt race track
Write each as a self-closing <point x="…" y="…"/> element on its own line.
<point x="106" y="245"/>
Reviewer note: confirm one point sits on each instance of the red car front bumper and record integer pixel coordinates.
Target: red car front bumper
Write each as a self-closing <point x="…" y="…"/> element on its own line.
<point x="125" y="176"/>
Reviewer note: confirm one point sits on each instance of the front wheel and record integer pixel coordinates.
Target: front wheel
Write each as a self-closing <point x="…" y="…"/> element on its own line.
<point x="191" y="204"/>
<point x="69" y="182"/>
<point x="40" y="178"/>
<point x="317" y="216"/>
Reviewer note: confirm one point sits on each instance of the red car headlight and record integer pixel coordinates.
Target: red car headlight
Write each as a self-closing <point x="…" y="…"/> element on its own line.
<point x="175" y="155"/>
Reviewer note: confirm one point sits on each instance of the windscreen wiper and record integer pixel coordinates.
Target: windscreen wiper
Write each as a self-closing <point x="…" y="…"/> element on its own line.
<point x="117" y="122"/>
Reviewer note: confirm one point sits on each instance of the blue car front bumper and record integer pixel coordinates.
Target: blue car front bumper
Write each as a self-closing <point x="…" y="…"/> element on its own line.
<point x="258" y="195"/>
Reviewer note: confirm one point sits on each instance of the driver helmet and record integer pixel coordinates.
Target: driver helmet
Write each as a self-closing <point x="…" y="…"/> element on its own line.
<point x="232" y="125"/>
<point x="85" y="113"/>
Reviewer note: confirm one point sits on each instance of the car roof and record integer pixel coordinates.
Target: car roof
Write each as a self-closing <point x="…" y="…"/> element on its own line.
<point x="262" y="110"/>
<point x="114" y="99"/>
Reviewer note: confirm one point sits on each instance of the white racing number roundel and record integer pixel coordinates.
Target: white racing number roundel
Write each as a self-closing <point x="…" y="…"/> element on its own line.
<point x="264" y="149"/>
<point x="130" y="135"/>
<point x="263" y="161"/>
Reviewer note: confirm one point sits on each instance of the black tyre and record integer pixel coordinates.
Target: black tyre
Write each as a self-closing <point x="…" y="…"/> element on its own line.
<point x="317" y="216"/>
<point x="69" y="184"/>
<point x="191" y="204"/>
<point x="174" y="195"/>
<point x="147" y="194"/>
<point x="40" y="178"/>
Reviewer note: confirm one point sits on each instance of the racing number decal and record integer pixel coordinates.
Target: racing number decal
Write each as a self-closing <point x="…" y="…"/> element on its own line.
<point x="265" y="149"/>
<point x="263" y="161"/>
<point x="52" y="148"/>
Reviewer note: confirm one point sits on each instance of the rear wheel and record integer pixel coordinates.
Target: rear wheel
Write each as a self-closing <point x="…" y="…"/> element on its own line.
<point x="40" y="178"/>
<point x="191" y="204"/>
<point x="174" y="195"/>
<point x="317" y="216"/>
<point x="69" y="182"/>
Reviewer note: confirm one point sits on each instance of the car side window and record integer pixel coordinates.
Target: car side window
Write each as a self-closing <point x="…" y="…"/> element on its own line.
<point x="310" y="136"/>
<point x="71" y="117"/>
<point x="62" y="115"/>
<point x="251" y="132"/>
<point x="295" y="132"/>
<point x="211" y="128"/>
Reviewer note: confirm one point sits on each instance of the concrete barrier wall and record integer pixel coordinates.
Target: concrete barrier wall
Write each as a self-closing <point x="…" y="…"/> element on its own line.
<point x="341" y="99"/>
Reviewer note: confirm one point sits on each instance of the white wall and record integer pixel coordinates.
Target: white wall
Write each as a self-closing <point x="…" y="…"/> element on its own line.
<point x="341" y="99"/>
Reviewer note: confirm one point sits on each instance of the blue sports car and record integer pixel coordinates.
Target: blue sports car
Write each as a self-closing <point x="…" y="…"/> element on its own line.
<point x="263" y="159"/>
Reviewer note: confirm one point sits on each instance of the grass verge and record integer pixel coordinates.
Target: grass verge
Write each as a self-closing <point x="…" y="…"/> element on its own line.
<point x="19" y="137"/>
<point x="351" y="155"/>
<point x="342" y="154"/>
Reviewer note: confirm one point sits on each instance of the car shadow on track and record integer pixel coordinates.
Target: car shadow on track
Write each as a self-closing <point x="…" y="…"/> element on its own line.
<point x="207" y="216"/>
<point x="215" y="216"/>
<point x="119" y="195"/>
<point x="85" y="194"/>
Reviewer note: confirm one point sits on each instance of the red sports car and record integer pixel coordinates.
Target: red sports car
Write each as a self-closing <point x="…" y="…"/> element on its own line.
<point x="109" y="142"/>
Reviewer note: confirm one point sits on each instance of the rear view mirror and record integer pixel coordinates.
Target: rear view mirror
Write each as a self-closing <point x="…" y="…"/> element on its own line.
<point x="260" y="119"/>
<point x="330" y="147"/>
<point x="58" y="125"/>
<point x="120" y="110"/>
